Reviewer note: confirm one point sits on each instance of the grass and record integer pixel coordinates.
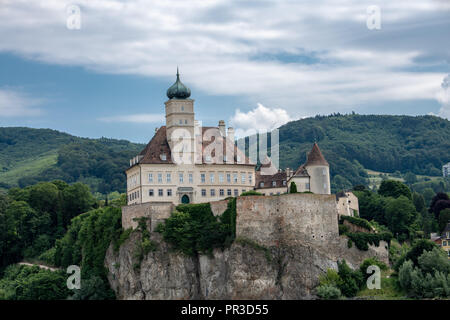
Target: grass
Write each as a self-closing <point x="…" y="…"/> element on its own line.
<point x="28" y="167"/>
<point x="389" y="289"/>
<point x="375" y="178"/>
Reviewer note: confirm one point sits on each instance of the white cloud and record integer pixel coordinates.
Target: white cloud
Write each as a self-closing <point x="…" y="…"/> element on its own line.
<point x="218" y="43"/>
<point x="16" y="104"/>
<point x="136" y="118"/>
<point x="260" y="119"/>
<point x="444" y="98"/>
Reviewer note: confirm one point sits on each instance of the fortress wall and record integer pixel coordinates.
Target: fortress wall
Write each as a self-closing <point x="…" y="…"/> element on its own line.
<point x="288" y="218"/>
<point x="218" y="207"/>
<point x="156" y="211"/>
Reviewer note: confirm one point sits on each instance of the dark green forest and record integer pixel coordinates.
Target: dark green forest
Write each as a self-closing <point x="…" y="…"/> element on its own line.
<point x="353" y="142"/>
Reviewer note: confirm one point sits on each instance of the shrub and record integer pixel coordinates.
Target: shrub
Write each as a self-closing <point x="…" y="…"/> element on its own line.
<point x="251" y="193"/>
<point x="328" y="292"/>
<point x="362" y="239"/>
<point x="331" y="277"/>
<point x="363" y="223"/>
<point x="293" y="187"/>
<point x="371" y="262"/>
<point x="351" y="280"/>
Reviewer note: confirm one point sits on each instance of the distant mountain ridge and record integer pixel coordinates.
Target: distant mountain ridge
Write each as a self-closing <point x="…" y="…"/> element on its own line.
<point x="350" y="143"/>
<point x="30" y="155"/>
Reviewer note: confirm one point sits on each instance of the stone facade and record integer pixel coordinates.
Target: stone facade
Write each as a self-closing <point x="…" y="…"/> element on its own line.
<point x="288" y="218"/>
<point x="156" y="212"/>
<point x="347" y="204"/>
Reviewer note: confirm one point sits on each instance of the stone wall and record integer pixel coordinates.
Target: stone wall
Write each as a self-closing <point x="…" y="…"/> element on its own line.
<point x="156" y="212"/>
<point x="288" y="218"/>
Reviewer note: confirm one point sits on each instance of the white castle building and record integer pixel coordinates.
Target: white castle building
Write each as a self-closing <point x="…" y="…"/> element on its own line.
<point x="187" y="163"/>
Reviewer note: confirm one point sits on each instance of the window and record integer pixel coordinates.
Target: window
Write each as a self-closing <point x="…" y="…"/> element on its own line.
<point x="181" y="121"/>
<point x="182" y="108"/>
<point x="150" y="177"/>
<point x="169" y="192"/>
<point x="181" y="177"/>
<point x="221" y="192"/>
<point x="243" y="190"/>
<point x="203" y="192"/>
<point x="150" y="192"/>
<point x="235" y="178"/>
<point x="211" y="177"/>
<point x="185" y="121"/>
<point x="213" y="192"/>
<point x="202" y="177"/>
<point x="271" y="193"/>
<point x="221" y="177"/>
<point x="278" y="193"/>
<point x="224" y="158"/>
<point x="307" y="186"/>
<point x="324" y="185"/>
<point x="229" y="192"/>
<point x="228" y="178"/>
<point x="250" y="178"/>
<point x="160" y="192"/>
<point x="191" y="178"/>
<point x="261" y="184"/>
<point x="243" y="178"/>
<point x="169" y="178"/>
<point x="163" y="157"/>
<point x="238" y="158"/>
<point x="159" y="177"/>
<point x="274" y="183"/>
<point x="284" y="182"/>
<point x="208" y="158"/>
<point x="236" y="192"/>
<point x="324" y="172"/>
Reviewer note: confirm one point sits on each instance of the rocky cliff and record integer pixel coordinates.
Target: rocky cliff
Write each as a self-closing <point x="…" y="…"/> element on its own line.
<point x="243" y="271"/>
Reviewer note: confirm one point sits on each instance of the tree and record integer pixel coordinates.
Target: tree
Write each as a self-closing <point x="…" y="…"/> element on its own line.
<point x="428" y="195"/>
<point x="371" y="206"/>
<point x="293" y="187"/>
<point x="400" y="214"/>
<point x="419" y="202"/>
<point x="410" y="178"/>
<point x="444" y="219"/>
<point x="395" y="189"/>
<point x="438" y="197"/>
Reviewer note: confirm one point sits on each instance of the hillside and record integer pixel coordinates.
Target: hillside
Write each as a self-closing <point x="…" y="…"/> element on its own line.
<point x="353" y="143"/>
<point x="31" y="155"/>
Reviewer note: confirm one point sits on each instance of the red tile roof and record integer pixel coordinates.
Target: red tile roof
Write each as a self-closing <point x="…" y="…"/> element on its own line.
<point x="315" y="157"/>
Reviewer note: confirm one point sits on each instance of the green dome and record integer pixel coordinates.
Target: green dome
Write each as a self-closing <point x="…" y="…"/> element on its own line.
<point x="178" y="90"/>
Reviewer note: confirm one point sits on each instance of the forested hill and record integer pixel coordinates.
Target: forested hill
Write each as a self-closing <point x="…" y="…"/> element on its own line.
<point x="351" y="144"/>
<point x="31" y="155"/>
<point x="378" y="142"/>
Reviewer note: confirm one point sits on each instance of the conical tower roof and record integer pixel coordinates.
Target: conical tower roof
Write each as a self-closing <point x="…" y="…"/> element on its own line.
<point x="315" y="157"/>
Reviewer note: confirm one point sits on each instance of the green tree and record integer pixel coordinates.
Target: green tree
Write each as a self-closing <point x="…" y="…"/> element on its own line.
<point x="444" y="219"/>
<point x="393" y="188"/>
<point x="293" y="187"/>
<point x="400" y="214"/>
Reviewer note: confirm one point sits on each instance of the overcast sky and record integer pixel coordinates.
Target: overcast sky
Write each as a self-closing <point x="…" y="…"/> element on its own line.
<point x="252" y="63"/>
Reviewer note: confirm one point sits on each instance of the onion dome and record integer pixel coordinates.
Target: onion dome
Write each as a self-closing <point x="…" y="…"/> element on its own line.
<point x="178" y="90"/>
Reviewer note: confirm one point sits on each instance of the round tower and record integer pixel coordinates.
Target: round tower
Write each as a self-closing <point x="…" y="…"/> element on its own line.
<point x="319" y="171"/>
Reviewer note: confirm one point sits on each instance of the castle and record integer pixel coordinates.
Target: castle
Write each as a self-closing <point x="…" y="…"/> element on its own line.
<point x="187" y="163"/>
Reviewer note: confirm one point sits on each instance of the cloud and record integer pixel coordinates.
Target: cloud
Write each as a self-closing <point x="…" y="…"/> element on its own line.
<point x="136" y="118"/>
<point x="216" y="43"/>
<point x="17" y="104"/>
<point x="260" y="119"/>
<point x="444" y="98"/>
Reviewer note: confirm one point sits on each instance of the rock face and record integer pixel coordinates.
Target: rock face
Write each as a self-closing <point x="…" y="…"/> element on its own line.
<point x="243" y="271"/>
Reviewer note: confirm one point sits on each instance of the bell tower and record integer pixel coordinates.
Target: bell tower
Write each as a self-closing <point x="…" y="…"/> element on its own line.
<point x="180" y="120"/>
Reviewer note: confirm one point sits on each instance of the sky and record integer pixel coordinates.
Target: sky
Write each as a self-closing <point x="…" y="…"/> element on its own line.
<point x="101" y="68"/>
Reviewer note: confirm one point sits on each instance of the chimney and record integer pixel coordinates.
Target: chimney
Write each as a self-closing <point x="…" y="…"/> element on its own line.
<point x="222" y="128"/>
<point x="231" y="134"/>
<point x="156" y="130"/>
<point x="288" y="173"/>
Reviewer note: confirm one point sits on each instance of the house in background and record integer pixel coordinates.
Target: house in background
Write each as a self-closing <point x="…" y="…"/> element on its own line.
<point x="347" y="204"/>
<point x="446" y="170"/>
<point x="443" y="240"/>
